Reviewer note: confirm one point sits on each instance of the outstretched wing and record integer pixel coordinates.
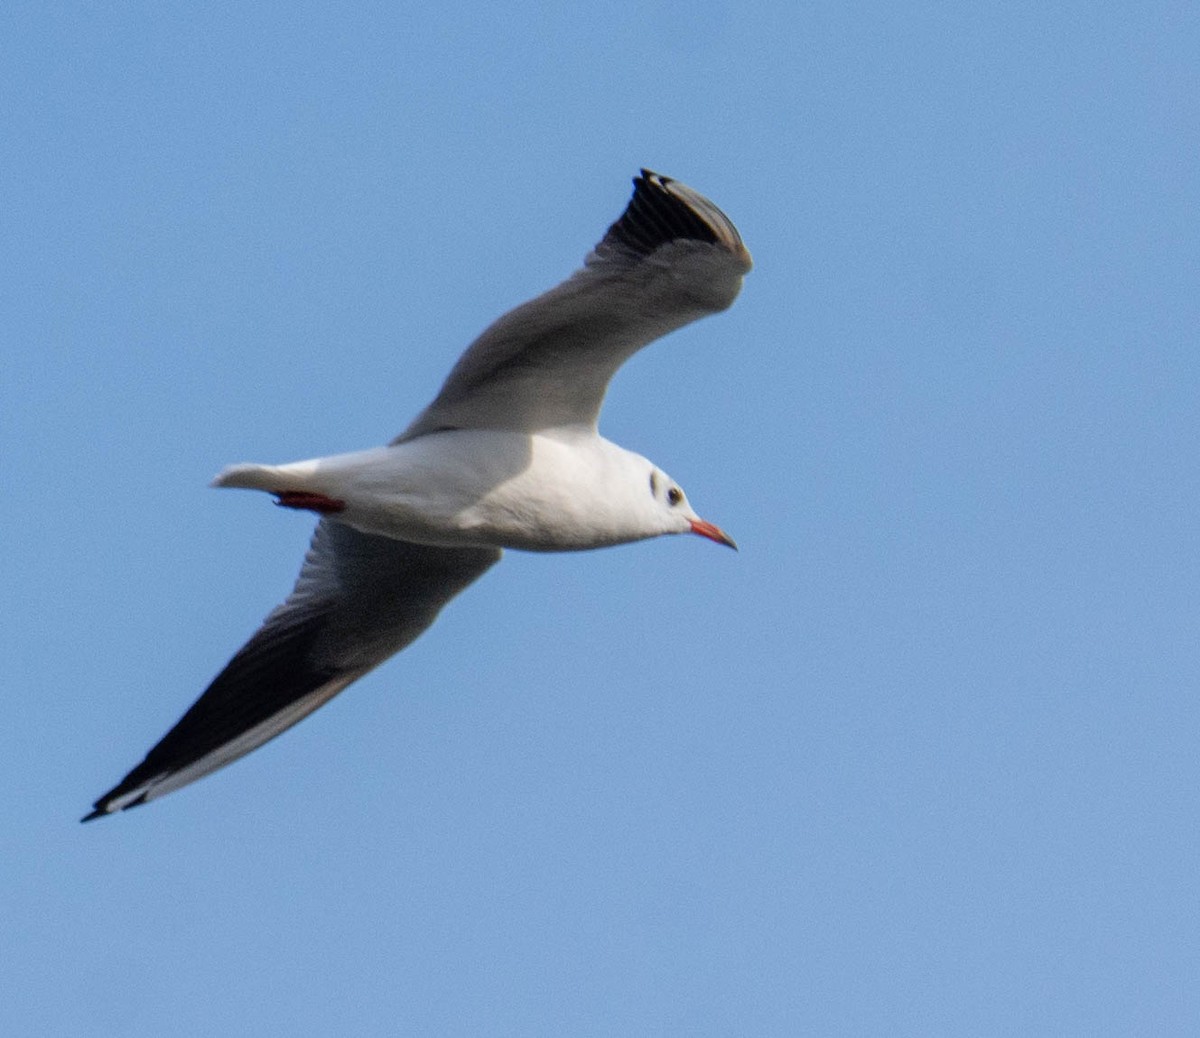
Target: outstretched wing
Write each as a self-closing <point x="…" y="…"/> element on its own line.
<point x="358" y="600"/>
<point x="671" y="258"/>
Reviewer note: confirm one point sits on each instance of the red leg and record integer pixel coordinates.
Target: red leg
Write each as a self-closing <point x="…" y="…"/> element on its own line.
<point x="312" y="502"/>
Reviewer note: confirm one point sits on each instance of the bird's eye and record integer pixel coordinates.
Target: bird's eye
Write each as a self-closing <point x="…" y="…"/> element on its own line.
<point x="674" y="496"/>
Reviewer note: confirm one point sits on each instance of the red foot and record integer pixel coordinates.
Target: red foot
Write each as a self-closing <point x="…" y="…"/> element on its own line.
<point x="312" y="502"/>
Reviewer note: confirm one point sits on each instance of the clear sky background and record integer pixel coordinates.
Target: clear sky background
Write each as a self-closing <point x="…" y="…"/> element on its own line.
<point x="921" y="759"/>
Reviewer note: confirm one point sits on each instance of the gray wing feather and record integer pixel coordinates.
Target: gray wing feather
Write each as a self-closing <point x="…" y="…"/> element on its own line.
<point x="670" y="258"/>
<point x="359" y="599"/>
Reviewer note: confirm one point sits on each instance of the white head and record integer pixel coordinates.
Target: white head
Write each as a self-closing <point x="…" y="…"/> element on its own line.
<point x="677" y="516"/>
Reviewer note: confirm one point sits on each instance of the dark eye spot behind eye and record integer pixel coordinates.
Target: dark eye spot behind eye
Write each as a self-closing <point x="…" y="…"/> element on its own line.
<point x="674" y="495"/>
<point x="654" y="484"/>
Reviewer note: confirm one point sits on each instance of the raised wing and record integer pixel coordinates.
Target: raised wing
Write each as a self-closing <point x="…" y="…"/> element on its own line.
<point x="671" y="258"/>
<point x="358" y="600"/>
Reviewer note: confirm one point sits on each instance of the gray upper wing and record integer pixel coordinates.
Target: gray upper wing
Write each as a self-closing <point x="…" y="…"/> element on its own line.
<point x="670" y="258"/>
<point x="358" y="600"/>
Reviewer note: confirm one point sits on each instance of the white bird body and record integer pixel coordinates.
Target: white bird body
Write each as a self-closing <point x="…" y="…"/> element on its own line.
<point x="557" y="490"/>
<point x="507" y="455"/>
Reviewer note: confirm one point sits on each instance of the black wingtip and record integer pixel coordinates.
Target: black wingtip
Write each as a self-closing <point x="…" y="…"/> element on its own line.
<point x="102" y="808"/>
<point x="657" y="215"/>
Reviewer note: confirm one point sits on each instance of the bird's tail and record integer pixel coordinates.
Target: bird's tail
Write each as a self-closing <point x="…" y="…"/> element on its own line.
<point x="257" y="477"/>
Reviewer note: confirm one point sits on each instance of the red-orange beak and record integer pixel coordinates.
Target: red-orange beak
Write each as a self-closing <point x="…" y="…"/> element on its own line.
<point x="713" y="533"/>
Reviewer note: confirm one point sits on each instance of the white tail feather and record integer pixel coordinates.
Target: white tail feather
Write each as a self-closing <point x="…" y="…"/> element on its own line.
<point x="255" y="477"/>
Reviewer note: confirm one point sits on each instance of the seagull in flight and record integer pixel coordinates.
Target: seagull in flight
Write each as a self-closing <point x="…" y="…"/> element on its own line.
<point x="508" y="455"/>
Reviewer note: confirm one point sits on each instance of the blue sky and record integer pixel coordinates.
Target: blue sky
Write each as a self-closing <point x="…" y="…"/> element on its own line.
<point x="919" y="760"/>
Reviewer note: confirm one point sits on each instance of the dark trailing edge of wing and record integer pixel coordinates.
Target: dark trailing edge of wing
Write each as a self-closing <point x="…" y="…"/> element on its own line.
<point x="655" y="217"/>
<point x="271" y="671"/>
